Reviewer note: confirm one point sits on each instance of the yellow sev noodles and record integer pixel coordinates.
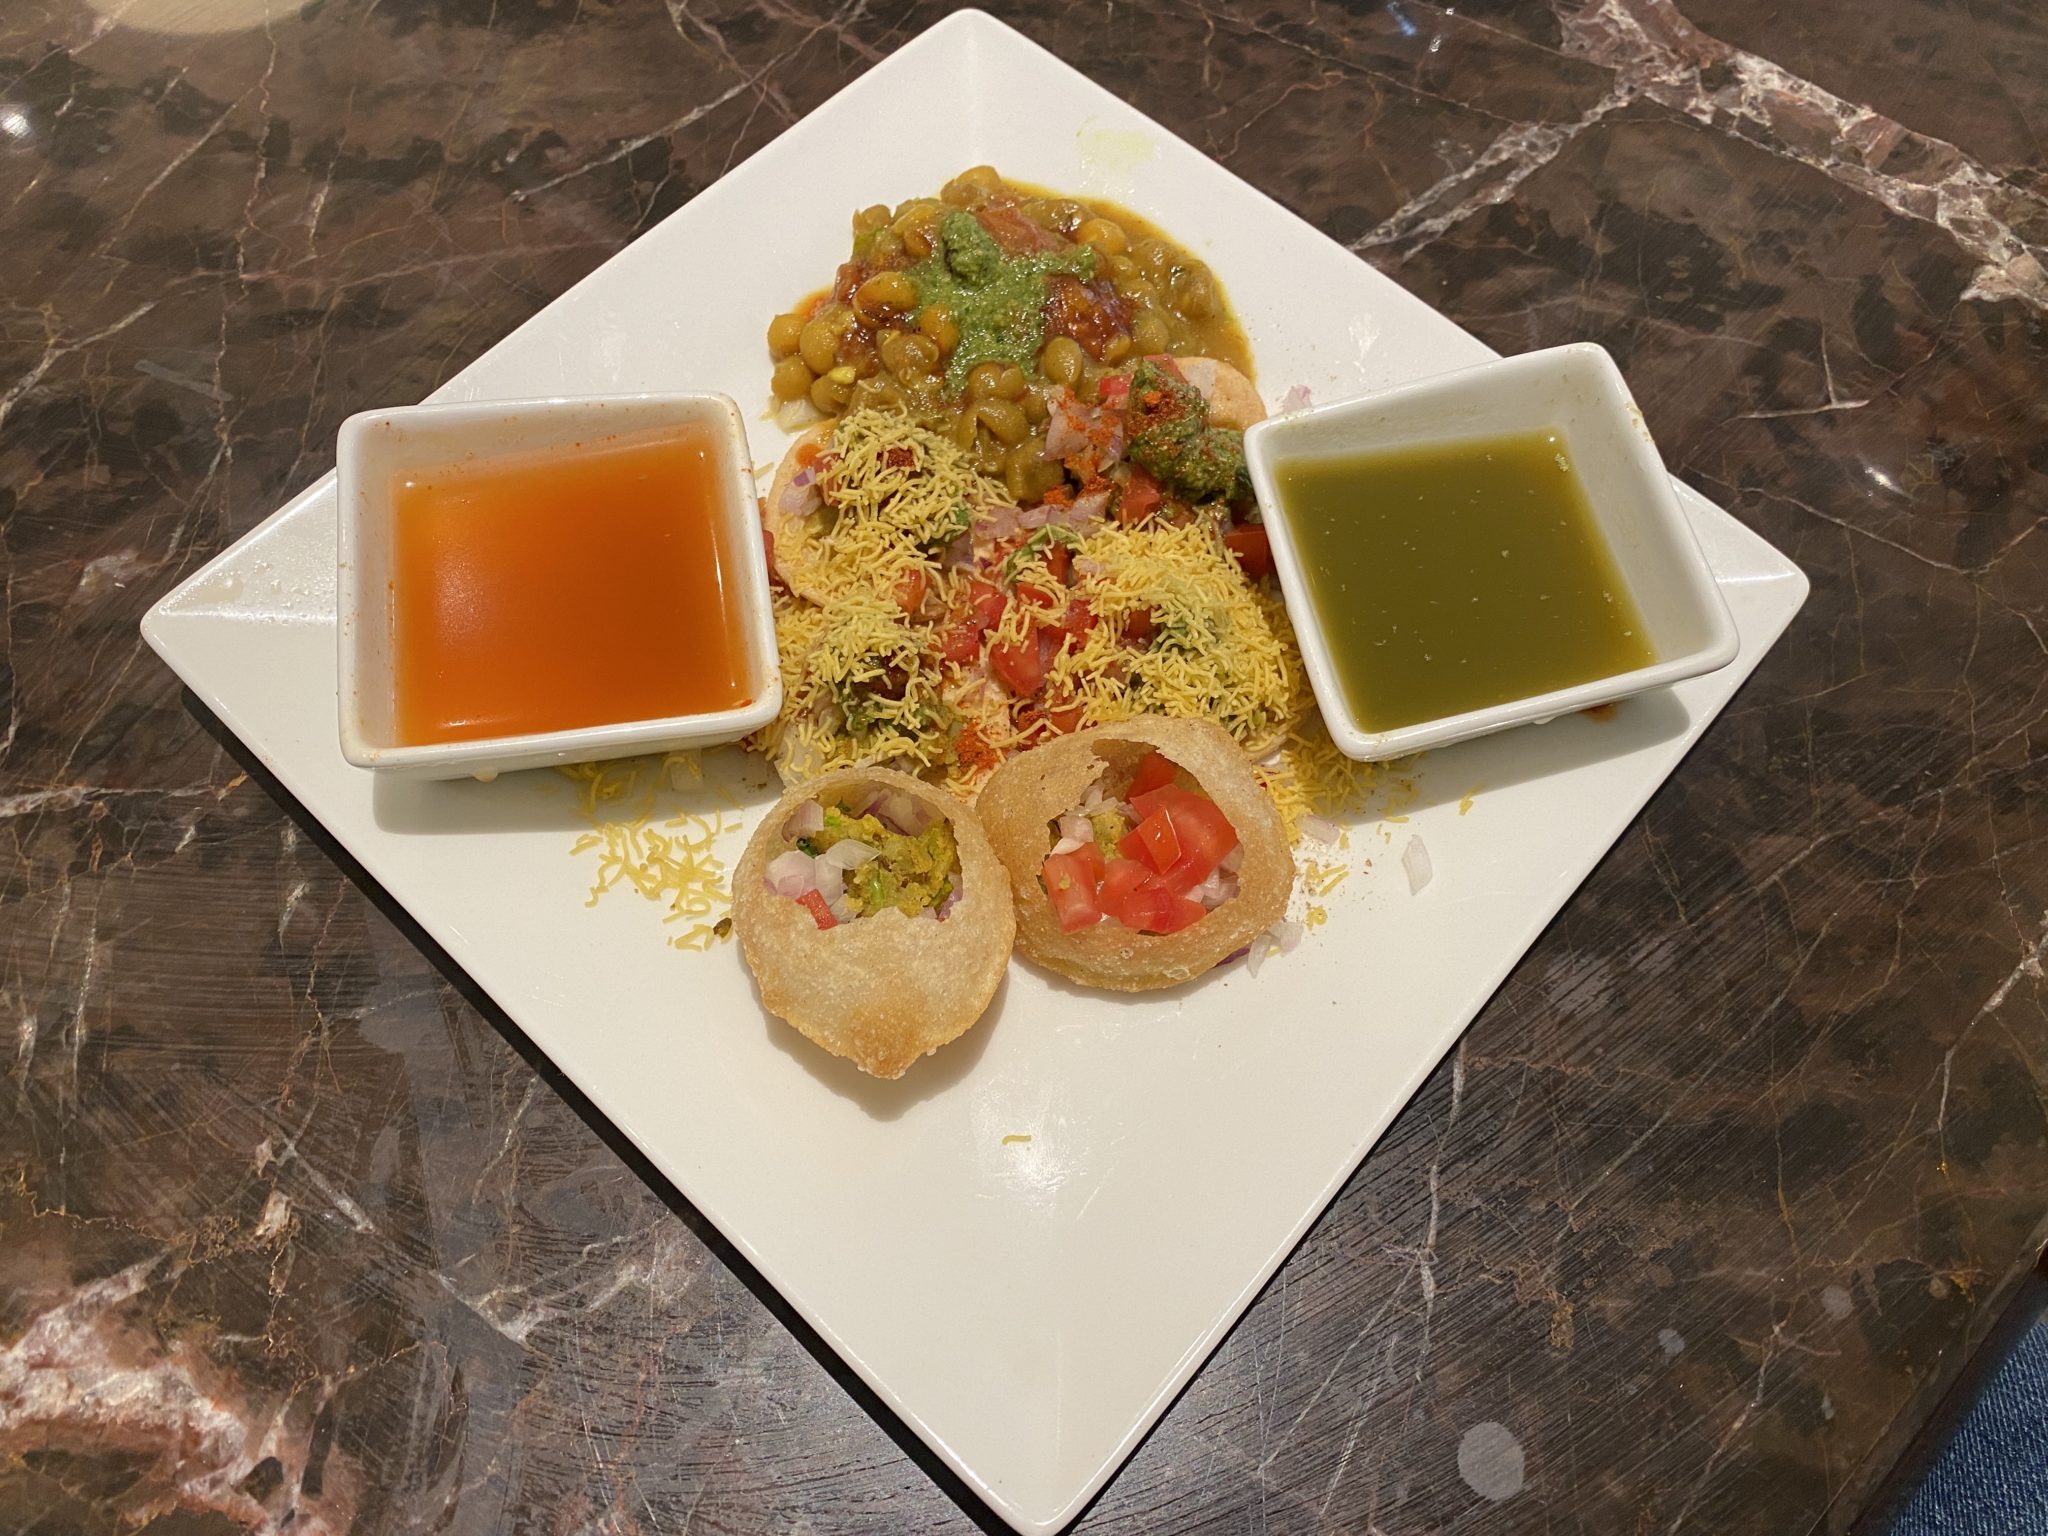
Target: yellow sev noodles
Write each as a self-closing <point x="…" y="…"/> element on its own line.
<point x="672" y="861"/>
<point x="894" y="496"/>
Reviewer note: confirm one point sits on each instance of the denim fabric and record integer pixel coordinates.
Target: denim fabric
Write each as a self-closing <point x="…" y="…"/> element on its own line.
<point x="1991" y="1479"/>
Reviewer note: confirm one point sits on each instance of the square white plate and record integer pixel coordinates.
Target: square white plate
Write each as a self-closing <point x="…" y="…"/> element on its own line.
<point x="1028" y="1307"/>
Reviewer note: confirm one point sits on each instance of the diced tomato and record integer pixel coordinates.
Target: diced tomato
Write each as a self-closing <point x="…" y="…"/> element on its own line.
<point x="1206" y="838"/>
<point x="987" y="602"/>
<point x="1141" y="496"/>
<point x="1057" y="559"/>
<point x="1120" y="877"/>
<point x="1154" y="841"/>
<point x="1012" y="229"/>
<point x="1180" y="913"/>
<point x="1253" y="549"/>
<point x="1070" y="885"/>
<point x="1140" y="903"/>
<point x="1078" y="620"/>
<point x="768" y="543"/>
<point x="1065" y="720"/>
<point x="814" y="903"/>
<point x="910" y="588"/>
<point x="1019" y="668"/>
<point x="1154" y="772"/>
<point x="961" y="643"/>
<point x="1115" y="391"/>
<point x="1140" y="626"/>
<point x="1145" y="802"/>
<point x="1038" y="597"/>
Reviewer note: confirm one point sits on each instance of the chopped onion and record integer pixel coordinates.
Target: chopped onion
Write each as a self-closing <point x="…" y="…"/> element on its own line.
<point x="848" y="853"/>
<point x="1320" y="829"/>
<point x="795" y="415"/>
<point x="797" y="500"/>
<point x="805" y="475"/>
<point x="927" y="915"/>
<point x="831" y="880"/>
<point x="1215" y="890"/>
<point x="953" y="897"/>
<point x="960" y="553"/>
<point x="998" y="523"/>
<point x="842" y="910"/>
<point x="1067" y="430"/>
<point x="1415" y="859"/>
<point x="904" y="813"/>
<point x="1279" y="939"/>
<point x="1296" y="399"/>
<point x="1074" y="828"/>
<point x="1233" y="861"/>
<point x="1068" y="845"/>
<point x="791" y="874"/>
<point x="1088" y="508"/>
<point x="806" y="819"/>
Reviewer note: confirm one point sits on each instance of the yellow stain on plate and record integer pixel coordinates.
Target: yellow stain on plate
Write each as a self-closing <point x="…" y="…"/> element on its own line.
<point x="1014" y="1139"/>
<point x="1470" y="795"/>
<point x="1110" y="156"/>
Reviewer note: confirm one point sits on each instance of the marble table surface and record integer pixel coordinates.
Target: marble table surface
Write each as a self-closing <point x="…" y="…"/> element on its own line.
<point x="1693" y="1231"/>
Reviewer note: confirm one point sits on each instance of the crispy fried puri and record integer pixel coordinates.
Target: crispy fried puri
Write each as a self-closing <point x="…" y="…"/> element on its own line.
<point x="1033" y="789"/>
<point x="885" y="989"/>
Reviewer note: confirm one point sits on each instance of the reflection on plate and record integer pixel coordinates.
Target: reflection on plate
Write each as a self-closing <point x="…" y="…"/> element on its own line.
<point x="1028" y="1306"/>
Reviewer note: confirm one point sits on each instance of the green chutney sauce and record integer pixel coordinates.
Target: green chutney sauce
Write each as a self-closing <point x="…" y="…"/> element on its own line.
<point x="1458" y="575"/>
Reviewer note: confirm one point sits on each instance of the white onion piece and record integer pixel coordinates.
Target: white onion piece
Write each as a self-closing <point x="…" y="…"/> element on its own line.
<point x="901" y="812"/>
<point x="797" y="500"/>
<point x="1067" y="845"/>
<point x="1086" y="509"/>
<point x="795" y="415"/>
<point x="831" y="880"/>
<point x="1297" y="398"/>
<point x="1320" y="829"/>
<point x="791" y="874"/>
<point x="1074" y="828"/>
<point x="1232" y="861"/>
<point x="848" y="853"/>
<point x="1215" y="890"/>
<point x="1415" y="859"/>
<point x="1286" y="934"/>
<point x="842" y="909"/>
<point x="806" y="819"/>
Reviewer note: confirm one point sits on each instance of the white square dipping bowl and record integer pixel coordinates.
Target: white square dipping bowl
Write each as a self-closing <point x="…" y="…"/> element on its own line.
<point x="1577" y="392"/>
<point x="377" y="446"/>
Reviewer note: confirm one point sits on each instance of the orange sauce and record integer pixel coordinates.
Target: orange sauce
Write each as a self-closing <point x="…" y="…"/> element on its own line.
<point x="552" y="591"/>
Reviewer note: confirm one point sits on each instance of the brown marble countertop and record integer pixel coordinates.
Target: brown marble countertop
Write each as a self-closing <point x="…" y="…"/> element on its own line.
<point x="1693" y="1231"/>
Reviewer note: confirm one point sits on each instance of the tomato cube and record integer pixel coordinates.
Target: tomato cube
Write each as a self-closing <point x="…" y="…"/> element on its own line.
<point x="814" y="903"/>
<point x="1154" y="772"/>
<point x="1071" y="880"/>
<point x="1152" y="841"/>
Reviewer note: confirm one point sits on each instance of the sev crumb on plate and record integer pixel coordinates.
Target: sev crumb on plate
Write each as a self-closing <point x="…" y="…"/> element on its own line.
<point x="671" y="860"/>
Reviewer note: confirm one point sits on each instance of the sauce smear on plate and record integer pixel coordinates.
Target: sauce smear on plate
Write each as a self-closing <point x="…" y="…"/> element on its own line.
<point x="552" y="591"/>
<point x="1453" y="576"/>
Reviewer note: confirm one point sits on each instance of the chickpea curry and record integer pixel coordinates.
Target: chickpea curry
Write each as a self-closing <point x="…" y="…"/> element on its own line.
<point x="972" y="311"/>
<point x="1025" y="510"/>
